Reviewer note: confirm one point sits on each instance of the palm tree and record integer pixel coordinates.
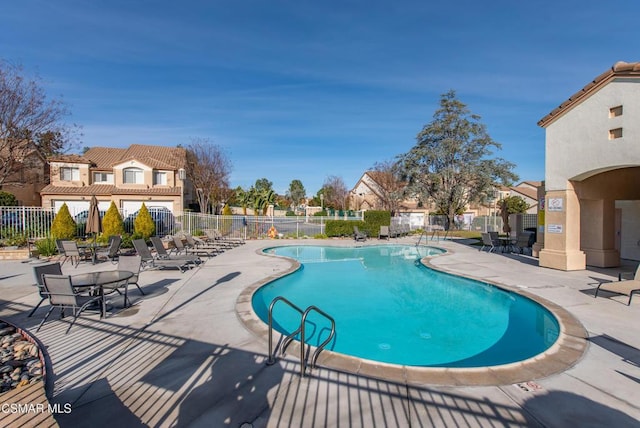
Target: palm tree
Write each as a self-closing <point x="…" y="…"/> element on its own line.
<point x="244" y="198"/>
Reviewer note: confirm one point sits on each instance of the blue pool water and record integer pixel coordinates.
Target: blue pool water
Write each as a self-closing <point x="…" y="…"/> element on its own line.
<point x="389" y="308"/>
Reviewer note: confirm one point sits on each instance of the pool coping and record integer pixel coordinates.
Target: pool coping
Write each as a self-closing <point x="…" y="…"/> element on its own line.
<point x="568" y="349"/>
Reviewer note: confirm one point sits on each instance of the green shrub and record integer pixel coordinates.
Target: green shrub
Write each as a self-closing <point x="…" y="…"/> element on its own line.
<point x="8" y="199"/>
<point x="17" y="239"/>
<point x="63" y="226"/>
<point x="375" y="219"/>
<point x="143" y="224"/>
<point x="320" y="236"/>
<point x="320" y="214"/>
<point x="290" y="213"/>
<point x="337" y="228"/>
<point x="46" y="247"/>
<point x="127" y="241"/>
<point x="112" y="223"/>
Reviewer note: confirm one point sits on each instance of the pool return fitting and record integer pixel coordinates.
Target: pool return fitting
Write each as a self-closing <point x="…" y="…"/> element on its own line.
<point x="304" y="363"/>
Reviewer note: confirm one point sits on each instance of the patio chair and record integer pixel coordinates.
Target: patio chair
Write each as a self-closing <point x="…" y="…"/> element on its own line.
<point x="39" y="270"/>
<point x="148" y="260"/>
<point x="113" y="249"/>
<point x="384" y="232"/>
<point x="357" y="235"/>
<point x="523" y="242"/>
<point x="198" y="251"/>
<point x="60" y="248"/>
<point x="626" y="287"/>
<point x="62" y="295"/>
<point x="71" y="252"/>
<point x="131" y="264"/>
<point x="487" y="241"/>
<point x="163" y="254"/>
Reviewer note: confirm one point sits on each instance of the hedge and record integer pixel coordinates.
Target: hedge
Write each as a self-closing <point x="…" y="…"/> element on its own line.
<point x="371" y="224"/>
<point x="375" y="219"/>
<point x="337" y="228"/>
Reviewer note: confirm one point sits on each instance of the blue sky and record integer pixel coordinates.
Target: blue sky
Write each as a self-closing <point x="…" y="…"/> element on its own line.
<point x="308" y="89"/>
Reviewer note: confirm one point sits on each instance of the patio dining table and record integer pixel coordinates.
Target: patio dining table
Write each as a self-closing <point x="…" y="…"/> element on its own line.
<point x="101" y="281"/>
<point x="506" y="243"/>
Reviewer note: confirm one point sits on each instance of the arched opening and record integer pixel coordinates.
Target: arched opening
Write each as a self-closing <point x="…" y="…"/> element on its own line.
<point x="609" y="216"/>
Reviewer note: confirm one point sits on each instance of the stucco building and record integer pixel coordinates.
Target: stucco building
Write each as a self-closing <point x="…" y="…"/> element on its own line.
<point x="592" y="174"/>
<point x="127" y="176"/>
<point x="28" y="172"/>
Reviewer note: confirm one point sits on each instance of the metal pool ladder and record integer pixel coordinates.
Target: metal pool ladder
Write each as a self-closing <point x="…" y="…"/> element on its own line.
<point x="301" y="329"/>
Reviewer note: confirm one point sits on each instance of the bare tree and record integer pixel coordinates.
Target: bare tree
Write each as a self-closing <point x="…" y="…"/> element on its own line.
<point x="208" y="168"/>
<point x="389" y="187"/>
<point x="335" y="192"/>
<point x="28" y="121"/>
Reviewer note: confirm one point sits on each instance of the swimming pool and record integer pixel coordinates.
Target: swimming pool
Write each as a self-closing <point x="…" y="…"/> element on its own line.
<point x="390" y="308"/>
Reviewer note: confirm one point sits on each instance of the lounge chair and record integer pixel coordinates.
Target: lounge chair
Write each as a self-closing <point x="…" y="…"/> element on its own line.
<point x="487" y="241"/>
<point x="198" y="251"/>
<point x="357" y="235"/>
<point x="148" y="260"/>
<point x="163" y="254"/>
<point x="626" y="287"/>
<point x="39" y="270"/>
<point x="197" y="243"/>
<point x="62" y="295"/>
<point x="384" y="232"/>
<point x="215" y="236"/>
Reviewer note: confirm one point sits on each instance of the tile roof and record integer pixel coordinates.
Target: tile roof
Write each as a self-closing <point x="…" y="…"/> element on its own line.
<point x="527" y="191"/>
<point x="619" y="69"/>
<point x="157" y="157"/>
<point x="69" y="159"/>
<point x="109" y="189"/>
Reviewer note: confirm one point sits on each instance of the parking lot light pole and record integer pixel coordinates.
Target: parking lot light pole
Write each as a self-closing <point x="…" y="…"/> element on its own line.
<point x="182" y="175"/>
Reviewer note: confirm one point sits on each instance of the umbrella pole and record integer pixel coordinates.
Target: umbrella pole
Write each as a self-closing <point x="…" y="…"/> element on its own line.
<point x="95" y="237"/>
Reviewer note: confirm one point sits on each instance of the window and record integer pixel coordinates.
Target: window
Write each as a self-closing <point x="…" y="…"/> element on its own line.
<point x="69" y="173"/>
<point x="133" y="176"/>
<point x="615" y="133"/>
<point x="615" y="111"/>
<point x="103" y="177"/>
<point x="159" y="178"/>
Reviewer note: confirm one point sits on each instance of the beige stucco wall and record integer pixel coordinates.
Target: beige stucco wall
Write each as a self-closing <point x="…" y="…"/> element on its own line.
<point x="589" y="172"/>
<point x="578" y="145"/>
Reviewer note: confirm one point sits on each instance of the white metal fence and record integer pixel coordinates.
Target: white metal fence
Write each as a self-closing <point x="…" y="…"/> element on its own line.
<point x="35" y="222"/>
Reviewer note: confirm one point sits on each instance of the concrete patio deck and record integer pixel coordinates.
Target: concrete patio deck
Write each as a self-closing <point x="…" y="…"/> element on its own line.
<point x="181" y="356"/>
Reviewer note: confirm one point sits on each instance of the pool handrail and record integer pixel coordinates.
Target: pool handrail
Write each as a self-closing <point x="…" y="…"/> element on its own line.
<point x="320" y="347"/>
<point x="287" y="339"/>
<point x="301" y="329"/>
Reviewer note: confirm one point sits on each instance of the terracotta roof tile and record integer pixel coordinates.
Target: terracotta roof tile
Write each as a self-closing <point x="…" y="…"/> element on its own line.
<point x="93" y="189"/>
<point x="619" y="69"/>
<point x="530" y="193"/>
<point x="105" y="157"/>
<point x="158" y="157"/>
<point x="109" y="189"/>
<point x="70" y="159"/>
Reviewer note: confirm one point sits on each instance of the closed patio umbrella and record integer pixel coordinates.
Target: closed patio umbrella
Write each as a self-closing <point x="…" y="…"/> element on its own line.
<point x="94" y="225"/>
